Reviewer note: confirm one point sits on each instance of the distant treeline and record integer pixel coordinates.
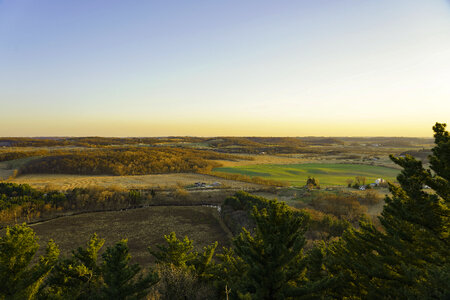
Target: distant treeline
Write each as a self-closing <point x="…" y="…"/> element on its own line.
<point x="107" y="141"/>
<point x="89" y="141"/>
<point x="252" y="145"/>
<point x="12" y="155"/>
<point x="21" y="202"/>
<point x="129" y="161"/>
<point x="215" y="142"/>
<point x="247" y="145"/>
<point x="389" y="141"/>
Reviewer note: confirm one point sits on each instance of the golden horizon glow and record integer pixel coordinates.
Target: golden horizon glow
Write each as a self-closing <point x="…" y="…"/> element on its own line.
<point x="301" y="68"/>
<point x="209" y="128"/>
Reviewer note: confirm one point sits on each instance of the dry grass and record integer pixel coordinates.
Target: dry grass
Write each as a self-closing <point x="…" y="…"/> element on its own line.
<point x="64" y="182"/>
<point x="142" y="227"/>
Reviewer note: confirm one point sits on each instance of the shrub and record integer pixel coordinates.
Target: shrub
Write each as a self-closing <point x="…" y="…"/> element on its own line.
<point x="180" y="283"/>
<point x="342" y="206"/>
<point x="312" y="183"/>
<point x="370" y="198"/>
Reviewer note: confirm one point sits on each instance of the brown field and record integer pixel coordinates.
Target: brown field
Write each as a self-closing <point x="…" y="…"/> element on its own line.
<point x="64" y="182"/>
<point x="142" y="227"/>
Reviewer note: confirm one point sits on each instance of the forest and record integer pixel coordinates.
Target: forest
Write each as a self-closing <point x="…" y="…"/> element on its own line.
<point x="120" y="161"/>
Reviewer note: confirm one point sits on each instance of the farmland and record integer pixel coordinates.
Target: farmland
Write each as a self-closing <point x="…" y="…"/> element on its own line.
<point x="173" y="166"/>
<point x="143" y="227"/>
<point x="159" y="181"/>
<point x="327" y="173"/>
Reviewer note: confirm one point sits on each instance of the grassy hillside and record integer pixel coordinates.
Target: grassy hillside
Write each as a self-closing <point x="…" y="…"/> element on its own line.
<point x="328" y="174"/>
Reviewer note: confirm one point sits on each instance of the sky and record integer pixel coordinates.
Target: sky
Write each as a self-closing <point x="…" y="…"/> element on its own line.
<point x="223" y="68"/>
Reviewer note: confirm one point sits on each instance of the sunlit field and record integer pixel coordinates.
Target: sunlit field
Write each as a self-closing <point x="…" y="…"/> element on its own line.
<point x="328" y="174"/>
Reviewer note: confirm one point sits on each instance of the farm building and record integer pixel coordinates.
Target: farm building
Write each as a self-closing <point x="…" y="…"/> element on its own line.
<point x="379" y="181"/>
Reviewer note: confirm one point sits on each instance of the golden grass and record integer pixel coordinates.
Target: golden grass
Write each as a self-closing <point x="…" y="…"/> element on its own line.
<point x="64" y="182"/>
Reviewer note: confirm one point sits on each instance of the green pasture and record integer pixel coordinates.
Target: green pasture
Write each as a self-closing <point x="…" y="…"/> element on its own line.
<point x="328" y="174"/>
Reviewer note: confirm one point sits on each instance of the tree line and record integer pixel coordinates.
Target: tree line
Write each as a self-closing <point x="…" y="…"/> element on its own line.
<point x="90" y="141"/>
<point x="125" y="161"/>
<point x="22" y="203"/>
<point x="12" y="155"/>
<point x="249" y="145"/>
<point x="109" y="141"/>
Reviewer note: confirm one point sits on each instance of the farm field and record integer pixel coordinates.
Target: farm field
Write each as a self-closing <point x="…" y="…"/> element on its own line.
<point x="64" y="182"/>
<point x="327" y="173"/>
<point x="142" y="227"/>
<point x="256" y="159"/>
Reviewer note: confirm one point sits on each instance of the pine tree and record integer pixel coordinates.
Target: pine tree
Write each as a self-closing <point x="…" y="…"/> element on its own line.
<point x="203" y="263"/>
<point x="180" y="253"/>
<point x="272" y="256"/>
<point x="410" y="258"/>
<point x="19" y="278"/>
<point x="177" y="252"/>
<point x="121" y="280"/>
<point x="77" y="277"/>
<point x="184" y="272"/>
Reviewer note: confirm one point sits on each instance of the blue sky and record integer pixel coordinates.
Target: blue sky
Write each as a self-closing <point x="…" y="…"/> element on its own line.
<point x="286" y="68"/>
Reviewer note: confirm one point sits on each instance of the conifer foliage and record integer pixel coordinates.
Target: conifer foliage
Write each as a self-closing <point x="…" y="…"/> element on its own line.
<point x="121" y="279"/>
<point x="272" y="256"/>
<point x="184" y="272"/>
<point x="19" y="277"/>
<point x="410" y="258"/>
<point x="83" y="277"/>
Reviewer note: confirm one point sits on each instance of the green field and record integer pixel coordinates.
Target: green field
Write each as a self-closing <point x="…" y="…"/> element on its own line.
<point x="328" y="174"/>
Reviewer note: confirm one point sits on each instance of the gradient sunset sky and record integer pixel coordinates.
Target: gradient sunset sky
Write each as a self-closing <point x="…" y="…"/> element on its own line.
<point x="210" y="68"/>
